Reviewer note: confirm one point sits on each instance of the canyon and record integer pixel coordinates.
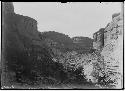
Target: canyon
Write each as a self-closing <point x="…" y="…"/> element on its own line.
<point x="31" y="58"/>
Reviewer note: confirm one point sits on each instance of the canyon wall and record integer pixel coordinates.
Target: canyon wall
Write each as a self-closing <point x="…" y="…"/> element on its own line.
<point x="112" y="49"/>
<point x="24" y="54"/>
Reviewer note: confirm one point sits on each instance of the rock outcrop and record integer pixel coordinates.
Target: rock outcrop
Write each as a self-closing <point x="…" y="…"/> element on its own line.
<point x="112" y="49"/>
<point x="98" y="39"/>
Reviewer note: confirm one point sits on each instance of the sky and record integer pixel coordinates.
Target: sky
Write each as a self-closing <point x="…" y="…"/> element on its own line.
<point x="73" y="18"/>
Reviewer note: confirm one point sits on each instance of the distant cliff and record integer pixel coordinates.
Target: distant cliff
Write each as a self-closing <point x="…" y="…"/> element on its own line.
<point x="85" y="42"/>
<point x="64" y="43"/>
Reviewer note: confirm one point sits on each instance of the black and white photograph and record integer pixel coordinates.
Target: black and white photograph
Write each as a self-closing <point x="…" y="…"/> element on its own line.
<point x="55" y="45"/>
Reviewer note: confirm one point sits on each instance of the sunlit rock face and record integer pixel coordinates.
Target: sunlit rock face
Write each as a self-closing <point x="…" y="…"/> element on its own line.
<point x="113" y="50"/>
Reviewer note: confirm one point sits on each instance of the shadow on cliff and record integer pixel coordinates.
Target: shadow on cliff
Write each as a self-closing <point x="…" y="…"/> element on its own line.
<point x="26" y="58"/>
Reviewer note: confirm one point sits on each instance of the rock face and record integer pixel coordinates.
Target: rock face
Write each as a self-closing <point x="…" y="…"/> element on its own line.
<point x="24" y="53"/>
<point x="112" y="49"/>
<point x="98" y="39"/>
<point x="8" y="7"/>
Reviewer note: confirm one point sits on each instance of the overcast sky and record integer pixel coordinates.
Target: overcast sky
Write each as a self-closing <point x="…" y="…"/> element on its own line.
<point x="73" y="19"/>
